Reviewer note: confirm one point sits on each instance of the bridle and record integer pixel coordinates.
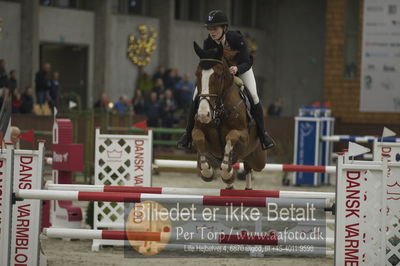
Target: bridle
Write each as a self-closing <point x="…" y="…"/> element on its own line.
<point x="218" y="108"/>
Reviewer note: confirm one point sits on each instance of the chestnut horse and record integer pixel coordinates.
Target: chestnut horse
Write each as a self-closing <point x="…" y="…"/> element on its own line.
<point x="222" y="133"/>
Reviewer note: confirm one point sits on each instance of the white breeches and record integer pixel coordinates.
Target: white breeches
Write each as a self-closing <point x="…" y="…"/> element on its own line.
<point x="249" y="81"/>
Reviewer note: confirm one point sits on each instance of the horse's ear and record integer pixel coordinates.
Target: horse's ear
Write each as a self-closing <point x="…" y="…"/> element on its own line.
<point x="220" y="51"/>
<point x="198" y="50"/>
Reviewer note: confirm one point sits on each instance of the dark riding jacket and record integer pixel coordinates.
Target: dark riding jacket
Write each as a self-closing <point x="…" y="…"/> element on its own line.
<point x="236" y="42"/>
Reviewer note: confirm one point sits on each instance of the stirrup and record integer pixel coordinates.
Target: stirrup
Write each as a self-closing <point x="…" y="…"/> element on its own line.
<point x="267" y="146"/>
<point x="184" y="142"/>
<point x="266" y="141"/>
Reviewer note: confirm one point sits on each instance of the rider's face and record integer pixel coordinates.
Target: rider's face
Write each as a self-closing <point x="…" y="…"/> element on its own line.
<point x="215" y="32"/>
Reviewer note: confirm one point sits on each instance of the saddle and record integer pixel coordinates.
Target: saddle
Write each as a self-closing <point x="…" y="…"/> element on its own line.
<point x="246" y="96"/>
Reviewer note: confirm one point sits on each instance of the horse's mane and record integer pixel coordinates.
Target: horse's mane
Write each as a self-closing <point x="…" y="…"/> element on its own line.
<point x="229" y="56"/>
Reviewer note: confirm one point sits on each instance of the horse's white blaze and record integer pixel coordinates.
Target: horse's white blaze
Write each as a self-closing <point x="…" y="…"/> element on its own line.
<point x="204" y="107"/>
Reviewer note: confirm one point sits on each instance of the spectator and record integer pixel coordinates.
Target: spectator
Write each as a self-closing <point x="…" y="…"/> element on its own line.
<point x="16" y="101"/>
<point x="12" y="83"/>
<point x="14" y="135"/>
<point x="54" y="90"/>
<point x="102" y="103"/>
<point x="138" y="103"/>
<point x="42" y="83"/>
<point x="159" y="74"/>
<point x="27" y="101"/>
<point x="145" y="83"/>
<point x="184" y="92"/>
<point x="176" y="77"/>
<point x="275" y="109"/>
<point x="122" y="106"/>
<point x="153" y="110"/>
<point x="168" y="108"/>
<point x="168" y="80"/>
<point x="4" y="94"/>
<point x="159" y="87"/>
<point x="3" y="74"/>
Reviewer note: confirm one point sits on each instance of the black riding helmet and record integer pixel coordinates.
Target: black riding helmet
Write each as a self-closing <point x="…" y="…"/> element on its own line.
<point x="216" y="18"/>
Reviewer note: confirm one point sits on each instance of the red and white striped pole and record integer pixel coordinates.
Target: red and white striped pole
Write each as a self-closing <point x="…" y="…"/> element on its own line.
<point x="194" y="191"/>
<point x="241" y="238"/>
<point x="239" y="166"/>
<point x="168" y="198"/>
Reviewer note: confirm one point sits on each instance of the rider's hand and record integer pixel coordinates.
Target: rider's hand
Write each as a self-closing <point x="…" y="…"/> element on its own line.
<point x="233" y="69"/>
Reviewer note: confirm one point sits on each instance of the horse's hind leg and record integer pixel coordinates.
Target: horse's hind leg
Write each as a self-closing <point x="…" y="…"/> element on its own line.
<point x="249" y="176"/>
<point x="199" y="140"/>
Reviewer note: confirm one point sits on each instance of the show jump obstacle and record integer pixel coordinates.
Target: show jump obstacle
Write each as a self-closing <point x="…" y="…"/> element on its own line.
<point x="67" y="158"/>
<point x="120" y="160"/>
<point x="367" y="227"/>
<point x="313" y="143"/>
<point x="20" y="222"/>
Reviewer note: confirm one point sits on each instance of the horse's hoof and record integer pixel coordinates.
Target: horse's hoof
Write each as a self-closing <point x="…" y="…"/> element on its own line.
<point x="231" y="179"/>
<point x="207" y="179"/>
<point x="231" y="187"/>
<point x="248" y="189"/>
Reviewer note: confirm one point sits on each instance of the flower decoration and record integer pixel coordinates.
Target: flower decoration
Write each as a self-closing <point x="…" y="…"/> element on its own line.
<point x="141" y="49"/>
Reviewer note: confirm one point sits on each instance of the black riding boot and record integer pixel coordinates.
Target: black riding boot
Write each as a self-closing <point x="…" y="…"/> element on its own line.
<point x="266" y="141"/>
<point x="185" y="142"/>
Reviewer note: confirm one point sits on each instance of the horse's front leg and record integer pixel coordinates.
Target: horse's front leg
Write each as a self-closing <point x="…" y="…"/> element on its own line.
<point x="227" y="173"/>
<point x="199" y="141"/>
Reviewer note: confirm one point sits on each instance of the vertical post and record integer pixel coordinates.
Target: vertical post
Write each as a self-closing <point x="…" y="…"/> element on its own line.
<point x="29" y="41"/>
<point x="306" y="151"/>
<point x="165" y="11"/>
<point x="102" y="52"/>
<point x="326" y="147"/>
<point x="6" y="184"/>
<point x="28" y="172"/>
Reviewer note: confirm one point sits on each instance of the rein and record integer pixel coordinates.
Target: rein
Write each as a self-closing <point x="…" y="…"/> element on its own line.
<point x="212" y="60"/>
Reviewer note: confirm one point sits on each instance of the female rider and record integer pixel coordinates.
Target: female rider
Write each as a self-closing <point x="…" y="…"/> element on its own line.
<point x="217" y="26"/>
